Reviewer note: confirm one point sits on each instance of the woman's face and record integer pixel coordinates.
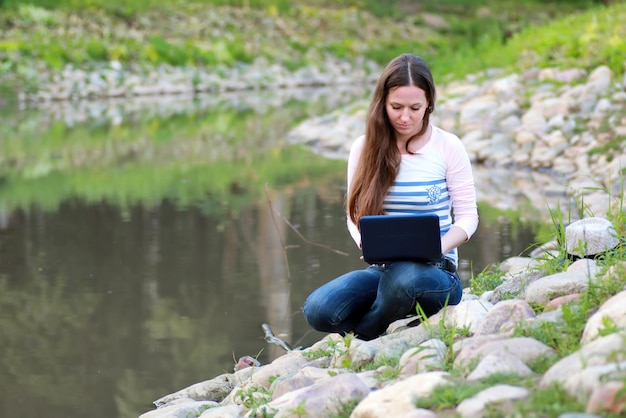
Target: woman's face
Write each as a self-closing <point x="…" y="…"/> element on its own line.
<point x="405" y="107"/>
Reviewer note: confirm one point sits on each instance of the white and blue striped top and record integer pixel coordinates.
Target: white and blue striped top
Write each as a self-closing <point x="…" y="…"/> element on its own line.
<point x="438" y="179"/>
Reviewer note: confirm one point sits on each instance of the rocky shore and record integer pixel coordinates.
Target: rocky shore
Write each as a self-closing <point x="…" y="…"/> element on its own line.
<point x="114" y="80"/>
<point x="400" y="373"/>
<point x="542" y="329"/>
<point x="567" y="124"/>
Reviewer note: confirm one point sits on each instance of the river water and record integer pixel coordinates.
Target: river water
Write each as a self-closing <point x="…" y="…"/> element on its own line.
<point x="116" y="292"/>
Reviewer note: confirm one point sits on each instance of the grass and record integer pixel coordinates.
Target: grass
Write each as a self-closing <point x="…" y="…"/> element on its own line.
<point x="254" y="398"/>
<point x="564" y="336"/>
<point x="490" y="278"/>
<point x="144" y="33"/>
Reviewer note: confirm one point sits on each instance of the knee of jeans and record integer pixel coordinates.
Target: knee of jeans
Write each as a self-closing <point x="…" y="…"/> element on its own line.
<point x="322" y="317"/>
<point x="456" y="293"/>
<point x="315" y="315"/>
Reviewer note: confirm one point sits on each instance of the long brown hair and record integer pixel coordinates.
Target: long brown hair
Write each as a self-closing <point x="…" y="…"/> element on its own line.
<point x="380" y="159"/>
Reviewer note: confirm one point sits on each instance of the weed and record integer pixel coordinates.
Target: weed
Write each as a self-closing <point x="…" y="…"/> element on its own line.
<point x="448" y="334"/>
<point x="542" y="363"/>
<point x="300" y="410"/>
<point x="508" y="379"/>
<point x="563" y="337"/>
<point x="487" y="280"/>
<point x="341" y="351"/>
<point x="387" y="374"/>
<point x="344" y="410"/>
<point x="448" y="396"/>
<point x="254" y="397"/>
<point x="608" y="326"/>
<point x="549" y="402"/>
<point x="386" y="368"/>
<point x="319" y="353"/>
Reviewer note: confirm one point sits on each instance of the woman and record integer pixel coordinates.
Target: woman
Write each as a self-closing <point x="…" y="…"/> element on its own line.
<point x="402" y="165"/>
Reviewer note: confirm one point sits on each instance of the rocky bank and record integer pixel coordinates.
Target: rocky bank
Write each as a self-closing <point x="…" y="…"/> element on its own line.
<point x="463" y="344"/>
<point x="567" y="124"/>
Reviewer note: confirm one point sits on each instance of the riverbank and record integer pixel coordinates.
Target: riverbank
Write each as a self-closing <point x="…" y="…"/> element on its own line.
<point x="540" y="343"/>
<point x="50" y="50"/>
<point x="537" y="336"/>
<point x="567" y="123"/>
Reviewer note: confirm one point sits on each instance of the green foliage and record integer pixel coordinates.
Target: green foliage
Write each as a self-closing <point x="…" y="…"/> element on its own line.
<point x="448" y="396"/>
<point x="542" y="363"/>
<point x="487" y="280"/>
<point x="300" y="410"/>
<point x="386" y="368"/>
<point x="447" y="334"/>
<point x="563" y="337"/>
<point x="588" y="39"/>
<point x="344" y="410"/>
<point x="299" y="35"/>
<point x="611" y="149"/>
<point x="550" y="402"/>
<point x="254" y="397"/>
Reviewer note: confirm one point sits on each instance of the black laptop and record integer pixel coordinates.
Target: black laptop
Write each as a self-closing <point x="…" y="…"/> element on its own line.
<point x="387" y="238"/>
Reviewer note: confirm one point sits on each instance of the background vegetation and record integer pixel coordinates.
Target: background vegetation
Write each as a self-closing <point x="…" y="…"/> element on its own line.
<point x="457" y="36"/>
<point x="39" y="38"/>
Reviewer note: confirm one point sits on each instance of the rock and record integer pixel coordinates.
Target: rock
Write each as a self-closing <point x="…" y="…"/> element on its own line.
<point x="426" y="357"/>
<point x="589" y="237"/>
<point x="398" y="399"/>
<point x="543" y="290"/>
<point x="611" y="316"/>
<point x="525" y="348"/>
<point x="246" y="361"/>
<point x="476" y="406"/>
<point x="215" y="389"/>
<point x="572" y="371"/>
<point x="607" y="398"/>
<point x="499" y="362"/>
<point x="180" y="410"/>
<point x="320" y="400"/>
<point x="504" y="315"/>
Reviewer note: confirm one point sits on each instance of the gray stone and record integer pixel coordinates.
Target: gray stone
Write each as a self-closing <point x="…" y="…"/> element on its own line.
<point x="428" y="356"/>
<point x="590" y="236"/>
<point x="611" y="313"/>
<point x="549" y="287"/>
<point x="398" y="399"/>
<point x="476" y="406"/>
<point x="320" y="400"/>
<point x="508" y="312"/>
<point x="499" y="362"/>
<point x="180" y="410"/>
<point x="215" y="389"/>
<point x="525" y="348"/>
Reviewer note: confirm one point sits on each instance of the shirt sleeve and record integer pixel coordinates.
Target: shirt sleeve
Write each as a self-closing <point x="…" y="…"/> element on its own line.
<point x="460" y="180"/>
<point x="353" y="161"/>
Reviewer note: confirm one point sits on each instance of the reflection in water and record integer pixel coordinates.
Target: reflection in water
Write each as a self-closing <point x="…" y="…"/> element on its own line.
<point x="103" y="312"/>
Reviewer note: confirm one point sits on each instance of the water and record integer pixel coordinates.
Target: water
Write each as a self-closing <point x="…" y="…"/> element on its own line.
<point x="110" y="300"/>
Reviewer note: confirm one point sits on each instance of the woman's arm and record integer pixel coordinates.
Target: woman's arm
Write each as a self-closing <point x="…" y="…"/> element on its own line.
<point x="353" y="160"/>
<point x="462" y="191"/>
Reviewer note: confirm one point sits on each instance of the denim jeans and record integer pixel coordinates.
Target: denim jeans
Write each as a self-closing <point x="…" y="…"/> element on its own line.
<point x="366" y="301"/>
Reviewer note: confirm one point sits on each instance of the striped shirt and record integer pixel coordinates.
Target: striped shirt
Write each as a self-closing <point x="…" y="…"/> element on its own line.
<point x="437" y="179"/>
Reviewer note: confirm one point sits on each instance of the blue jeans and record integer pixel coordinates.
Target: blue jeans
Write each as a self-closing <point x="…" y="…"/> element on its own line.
<point x="366" y="301"/>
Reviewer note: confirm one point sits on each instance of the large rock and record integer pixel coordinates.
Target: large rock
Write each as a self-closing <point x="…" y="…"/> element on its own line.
<point x="590" y="236"/>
